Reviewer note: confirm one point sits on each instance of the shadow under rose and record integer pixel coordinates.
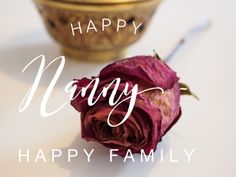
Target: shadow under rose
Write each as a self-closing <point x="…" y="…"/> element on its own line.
<point x="19" y="51"/>
<point x="100" y="164"/>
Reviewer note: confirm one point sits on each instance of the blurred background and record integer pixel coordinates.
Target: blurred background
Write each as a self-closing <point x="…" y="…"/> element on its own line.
<point x="206" y="63"/>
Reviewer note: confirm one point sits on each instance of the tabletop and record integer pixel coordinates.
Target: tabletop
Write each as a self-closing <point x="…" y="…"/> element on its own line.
<point x="206" y="63"/>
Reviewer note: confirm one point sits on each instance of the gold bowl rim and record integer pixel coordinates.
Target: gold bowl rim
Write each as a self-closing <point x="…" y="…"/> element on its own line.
<point x="99" y="2"/>
<point x="96" y="7"/>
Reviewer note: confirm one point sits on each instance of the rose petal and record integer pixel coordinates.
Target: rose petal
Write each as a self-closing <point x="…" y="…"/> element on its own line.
<point x="147" y="68"/>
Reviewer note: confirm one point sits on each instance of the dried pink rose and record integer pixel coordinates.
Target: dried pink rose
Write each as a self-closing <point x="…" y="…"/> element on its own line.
<point x="153" y="115"/>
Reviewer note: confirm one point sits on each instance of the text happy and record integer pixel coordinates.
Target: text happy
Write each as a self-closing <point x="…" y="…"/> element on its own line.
<point x="77" y="28"/>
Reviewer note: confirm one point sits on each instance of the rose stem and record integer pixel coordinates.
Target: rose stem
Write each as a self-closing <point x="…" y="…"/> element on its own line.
<point x="195" y="30"/>
<point x="156" y="56"/>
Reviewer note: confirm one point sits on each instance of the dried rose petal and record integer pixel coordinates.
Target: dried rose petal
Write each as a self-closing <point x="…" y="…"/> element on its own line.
<point x="154" y="113"/>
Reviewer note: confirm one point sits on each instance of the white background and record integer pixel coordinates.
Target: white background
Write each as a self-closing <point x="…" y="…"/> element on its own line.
<point x="206" y="63"/>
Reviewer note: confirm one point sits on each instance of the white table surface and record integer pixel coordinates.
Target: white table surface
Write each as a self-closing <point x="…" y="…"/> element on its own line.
<point x="207" y="63"/>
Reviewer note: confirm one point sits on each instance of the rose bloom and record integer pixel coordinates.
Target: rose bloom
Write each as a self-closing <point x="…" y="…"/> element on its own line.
<point x="154" y="112"/>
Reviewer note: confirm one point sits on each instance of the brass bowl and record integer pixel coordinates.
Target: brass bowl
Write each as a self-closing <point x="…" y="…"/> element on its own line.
<point x="103" y="44"/>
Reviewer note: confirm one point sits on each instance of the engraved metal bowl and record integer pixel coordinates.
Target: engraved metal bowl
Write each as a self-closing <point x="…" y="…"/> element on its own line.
<point x="58" y="15"/>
